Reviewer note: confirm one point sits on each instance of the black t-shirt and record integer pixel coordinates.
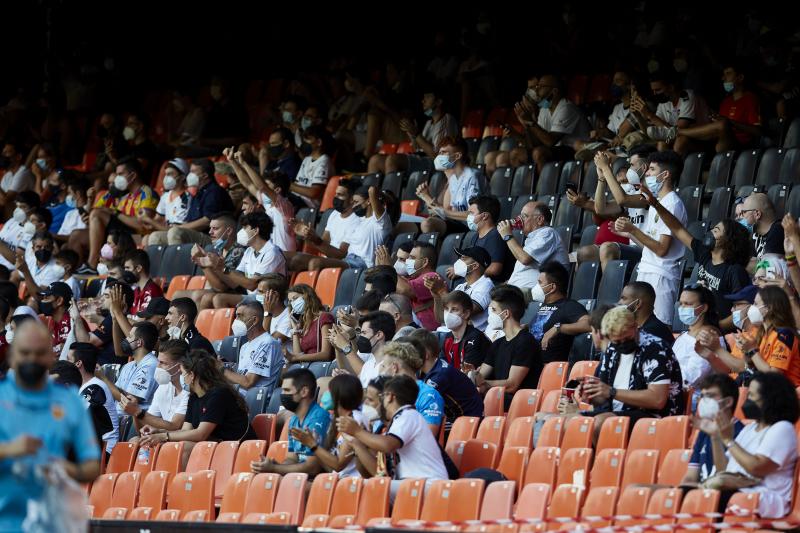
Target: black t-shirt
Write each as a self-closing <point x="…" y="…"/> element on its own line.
<point x="219" y="405"/>
<point x="655" y="327"/>
<point x="563" y="311"/>
<point x="493" y="243"/>
<point x="197" y="341"/>
<point x="722" y="279"/>
<point x="522" y="350"/>
<point x="771" y="243"/>
<point x="472" y="348"/>
<point x="106" y="355"/>
<point x="95" y="397"/>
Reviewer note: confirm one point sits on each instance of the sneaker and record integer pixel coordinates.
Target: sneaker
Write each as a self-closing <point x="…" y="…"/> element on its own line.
<point x="662" y="133"/>
<point x="587" y="152"/>
<point x="86" y="270"/>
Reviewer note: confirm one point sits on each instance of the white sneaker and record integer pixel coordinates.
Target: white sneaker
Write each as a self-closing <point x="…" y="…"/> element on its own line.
<point x="589" y="149"/>
<point x="662" y="133"/>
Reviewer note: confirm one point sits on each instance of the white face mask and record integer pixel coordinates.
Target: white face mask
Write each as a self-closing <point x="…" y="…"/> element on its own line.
<point x="239" y="328"/>
<point x="460" y="268"/>
<point x="163" y="376"/>
<point x="633" y="177"/>
<point x="102" y="269"/>
<point x="537" y="293"/>
<point x="495" y="321"/>
<point x="242" y="238"/>
<point x="174" y="332"/>
<point x="628" y="189"/>
<point x="192" y="180"/>
<point x="9" y="335"/>
<point x="452" y="321"/>
<point x="128" y="134"/>
<point x="754" y="315"/>
<point x="707" y="407"/>
<point x="298" y="305"/>
<point x="169" y="183"/>
<point x="400" y="267"/>
<point x="120" y="183"/>
<point x="370" y="413"/>
<point x="29" y="229"/>
<point x="19" y="215"/>
<point x="58" y="271"/>
<point x="410" y="270"/>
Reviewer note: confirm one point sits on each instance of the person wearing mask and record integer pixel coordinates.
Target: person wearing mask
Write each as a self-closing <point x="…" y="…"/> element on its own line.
<point x="180" y="324"/>
<point x="514" y="361"/>
<point x="419" y="455"/>
<point x="471" y="266"/>
<point x="156" y="313"/>
<point x="762" y="457"/>
<point x="483" y="215"/>
<point x="465" y="346"/>
<point x="461" y="398"/>
<point x="420" y="266"/>
<point x="145" y="289"/>
<point x="559" y="319"/>
<point x="216" y="412"/>
<point x="309" y="183"/>
<point x="661" y="251"/>
<point x="84" y="356"/>
<point x="775" y="349"/>
<point x="68" y="260"/>
<point x="43" y="269"/>
<point x="168" y="408"/>
<point x="463" y="183"/>
<point x="402" y="358"/>
<point x="56" y="304"/>
<point x="260" y="358"/>
<point x="310" y="326"/>
<point x="697" y="311"/>
<point x="12" y="234"/>
<point x="16" y="176"/>
<point x="298" y="390"/>
<point x="272" y="292"/>
<point x="173" y="207"/>
<point x="336" y="453"/>
<point x="77" y="215"/>
<point x="136" y="378"/>
<point x="639" y="297"/>
<point x="399" y="307"/>
<point x="102" y="336"/>
<point x="42" y="425"/>
<point x="542" y="244"/>
<point x="757" y="215"/>
<point x="362" y="354"/>
<point x="280" y="154"/>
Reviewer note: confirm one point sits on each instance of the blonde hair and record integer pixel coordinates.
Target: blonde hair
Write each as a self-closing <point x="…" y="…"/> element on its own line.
<point x="404" y="352"/>
<point x="618" y="321"/>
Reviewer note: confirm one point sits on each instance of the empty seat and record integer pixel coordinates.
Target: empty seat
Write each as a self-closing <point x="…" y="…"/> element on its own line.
<point x="578" y="433"/>
<point x="492" y="429"/>
<point x="720" y="206"/>
<point x="525" y="402"/>
<point x="614" y="278"/>
<point x="500" y="184"/>
<point x="101" y="494"/>
<point x="513" y="462"/>
<point x="608" y="468"/>
<point x="790" y="167"/>
<point x="234" y="497"/>
<point x="494" y="402"/>
<point x="699" y="501"/>
<point x="498" y="500"/>
<point x="632" y="502"/>
<point x="344" y="502"/>
<point x="520" y="432"/>
<point x="744" y="170"/>
<point x="575" y="466"/>
<point x="291" y="499"/>
<point x="769" y="166"/>
<point x="640" y="467"/>
<point x="122" y="458"/>
<point x="587" y="279"/>
<point x="600" y="501"/>
<point x="477" y="454"/>
<point x="692" y="169"/>
<point x="200" y="458"/>
<point x="553" y="376"/>
<point x="543" y="465"/>
<point x="192" y="491"/>
<point x="523" y="180"/>
<point x="551" y="433"/>
<point x="674" y="466"/>
<point x="692" y="198"/>
<point x="222" y="463"/>
<point x="532" y="501"/>
<point x="326" y="285"/>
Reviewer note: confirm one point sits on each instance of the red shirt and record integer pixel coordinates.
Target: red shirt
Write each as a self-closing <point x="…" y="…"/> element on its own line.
<point x="3" y="347"/>
<point x="746" y="110"/>
<point x="142" y="297"/>
<point x="60" y="331"/>
<point x="605" y="234"/>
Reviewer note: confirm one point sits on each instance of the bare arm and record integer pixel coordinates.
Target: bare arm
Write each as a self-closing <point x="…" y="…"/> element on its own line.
<point x="314" y="192"/>
<point x="515" y="377"/>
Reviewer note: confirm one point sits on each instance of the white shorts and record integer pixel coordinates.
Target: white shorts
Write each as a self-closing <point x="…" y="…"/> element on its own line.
<point x="666" y="294"/>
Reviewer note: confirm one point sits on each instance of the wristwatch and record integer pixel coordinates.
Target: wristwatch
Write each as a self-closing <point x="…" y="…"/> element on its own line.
<point x="612" y="393"/>
<point x="557" y="327"/>
<point x="347" y="350"/>
<point x="140" y="414"/>
<point x="507" y="238"/>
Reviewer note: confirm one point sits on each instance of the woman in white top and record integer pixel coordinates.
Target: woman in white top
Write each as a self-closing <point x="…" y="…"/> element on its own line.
<point x="336" y="454"/>
<point x="762" y="457"/>
<point x="697" y="310"/>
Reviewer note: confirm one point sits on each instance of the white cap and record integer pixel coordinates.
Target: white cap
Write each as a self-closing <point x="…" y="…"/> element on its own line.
<point x="26" y="310"/>
<point x="180" y="165"/>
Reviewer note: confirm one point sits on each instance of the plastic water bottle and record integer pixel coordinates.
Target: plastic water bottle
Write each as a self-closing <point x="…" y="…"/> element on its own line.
<point x="144" y="456"/>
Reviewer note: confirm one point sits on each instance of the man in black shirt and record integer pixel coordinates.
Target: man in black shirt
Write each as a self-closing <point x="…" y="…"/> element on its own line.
<point x="559" y="319"/>
<point x="758" y="216"/>
<point x="640" y="297"/>
<point x="514" y="361"/>
<point x="180" y="319"/>
<point x="484" y="212"/>
<point x="101" y="337"/>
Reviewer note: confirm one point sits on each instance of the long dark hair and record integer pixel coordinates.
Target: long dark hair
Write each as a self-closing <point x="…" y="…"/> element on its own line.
<point x="347" y="393"/>
<point x="706" y="297"/>
<point x="735" y="244"/>
<point x="779" y="309"/>
<point x="206" y="370"/>
<point x="778" y="397"/>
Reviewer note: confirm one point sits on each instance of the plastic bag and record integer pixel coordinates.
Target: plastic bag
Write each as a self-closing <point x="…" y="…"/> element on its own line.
<point x="62" y="507"/>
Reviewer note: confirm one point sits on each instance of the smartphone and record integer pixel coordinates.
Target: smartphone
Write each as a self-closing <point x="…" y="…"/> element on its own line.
<point x="571" y="187"/>
<point x="81" y="211"/>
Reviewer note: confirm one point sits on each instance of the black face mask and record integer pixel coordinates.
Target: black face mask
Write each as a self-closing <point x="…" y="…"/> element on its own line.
<point x="289" y="403"/>
<point x="127" y="349"/>
<point x="339" y="205"/>
<point x="31" y="373"/>
<point x="46" y="308"/>
<point x="275" y="151"/>
<point x="709" y="241"/>
<point x="360" y="211"/>
<point x="617" y="91"/>
<point x="661" y="98"/>
<point x="626" y="346"/>
<point x="305" y="149"/>
<point x="5" y="162"/>
<point x="751" y="410"/>
<point x="364" y="344"/>
<point x="55" y="190"/>
<point x="43" y="256"/>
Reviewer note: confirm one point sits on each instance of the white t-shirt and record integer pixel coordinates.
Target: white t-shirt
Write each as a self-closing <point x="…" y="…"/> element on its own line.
<point x="693" y="367"/>
<point x="263" y="356"/>
<point x="462" y="188"/>
<point x="11" y="232"/>
<point x="340" y="228"/>
<point x="685" y="108"/>
<point x="543" y="245"/>
<point x="21" y="180"/>
<point x="111" y="406"/>
<point x="617" y="117"/>
<point x="282" y="231"/>
<point x="268" y="259"/>
<point x="419" y="456"/>
<point x="173" y="207"/>
<point x="75" y="286"/>
<point x="72" y="222"/>
<point x="350" y="470"/>
<point x="654" y="227"/>
<point x="778" y="443"/>
<point x="166" y="404"/>
<point x="368" y="235"/>
<point x="566" y="118"/>
<point x="447" y="126"/>
<point x="623" y="377"/>
<point x="45" y="275"/>
<point x="369" y="371"/>
<point x="481" y="294"/>
<point x="282" y="325"/>
<point x="314" y="173"/>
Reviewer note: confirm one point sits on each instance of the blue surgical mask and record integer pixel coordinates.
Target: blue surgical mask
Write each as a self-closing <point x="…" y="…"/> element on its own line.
<point x="728" y="86"/>
<point x="654" y="184"/>
<point x="428" y="112"/>
<point x="326" y="402"/>
<point x="442" y="162"/>
<point x="471" y="222"/>
<point x="70" y="201"/>
<point x="42" y="162"/>
<point x="288" y="117"/>
<point x="305" y="123"/>
<point x="746" y="224"/>
<point x="184" y="386"/>
<point x="298" y="305"/>
<point x="544" y="103"/>
<point x="219" y="245"/>
<point x="687" y="316"/>
<point x="738" y="319"/>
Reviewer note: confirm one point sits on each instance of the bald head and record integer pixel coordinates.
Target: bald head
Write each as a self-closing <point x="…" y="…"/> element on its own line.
<point x="31" y="354"/>
<point x="761" y="202"/>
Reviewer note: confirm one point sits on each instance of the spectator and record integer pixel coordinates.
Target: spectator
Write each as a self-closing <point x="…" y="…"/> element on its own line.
<point x="136" y="377"/>
<point x="463" y="183"/>
<point x="419" y="455"/>
<point x="173" y="207"/>
<point x="514" y="361"/>
<point x="403" y="251"/>
<point x="156" y="313"/>
<point x="208" y="199"/>
<point x="341" y="225"/>
<point x="145" y="289"/>
<point x="402" y="358"/>
<point x="56" y="304"/>
<point x="30" y="439"/>
<point x="42" y="270"/>
<point x="16" y="177"/>
<point x="368" y="302"/>
<point x="639" y="297"/>
<point x="12" y="233"/>
<point x="117" y="247"/>
<point x="559" y="319"/>
<point x="399" y="307"/>
<point x="101" y="338"/>
<point x="271" y="294"/>
<point x="38" y="221"/>
<point x="68" y="261"/>
<point x="738" y="124"/>
<point x="260" y="357"/>
<point x="542" y="244"/>
<point x="471" y="266"/>
<point x="661" y="251"/>
<point x="94" y="392"/>
<point x="280" y="154"/>
<point x="168" y="408"/>
<point x="53" y="191"/>
<point x="309" y="183"/>
<point x="719" y="396"/>
<point x="336" y="453"/>
<point x="697" y="311"/>
<point x="762" y="457"/>
<point x="484" y="212"/>
<point x="362" y="354"/>
<point x="420" y="267"/>
<point x="758" y="217"/>
<point x="465" y="346"/>
<point x="297" y="396"/>
<point x="380" y="279"/>
<point x="180" y="320"/>
<point x="215" y="411"/>
<point x="310" y="326"/>
<point x="76" y="216"/>
<point x="460" y="396"/>
<point x="638" y="376"/>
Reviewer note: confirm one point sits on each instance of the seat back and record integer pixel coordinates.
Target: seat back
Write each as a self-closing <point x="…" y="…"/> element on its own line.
<point x="122" y="458"/>
<point x="574" y="466"/>
<point x="494" y="402"/>
<point x="192" y="491"/>
<point x="326" y="285"/>
<point x="587" y="278"/>
<point x="235" y="493"/>
<point x="492" y="429"/>
<point x="321" y="495"/>
<point x="291" y="497"/>
<point x="142" y="514"/>
<point x="543" y="466"/>
<point x="608" y="467"/>
<point x="632" y="502"/>
<point x="153" y="490"/>
<point x="566" y="502"/>
<point x="222" y="464"/>
<point x="408" y="502"/>
<point x="477" y="454"/>
<point x="126" y="490"/>
<point x="374" y="500"/>
<point x="551" y="433"/>
<point x="644" y="435"/>
<point x="205" y="321"/>
<point x="673" y="434"/>
<point x="611" y="283"/>
<point x="532" y="501"/>
<point x="261" y="494"/>
<point x="581" y="369"/>
<point x="464" y="428"/>
<point x="249" y="451"/>
<point x="524" y="403"/>
<point x="498" y="499"/>
<point x="614" y="433"/>
<point x="513" y="462"/>
<point x="550" y="402"/>
<point x="169" y="457"/>
<point x="553" y="376"/>
<point x="200" y="458"/>
<point x="178" y="283"/>
<point x="264" y="426"/>
<point x="221" y="326"/>
<point x="520" y="432"/>
<point x="100" y="497"/>
<point x="663" y="502"/>
<point x="600" y="501"/>
<point x="168" y="515"/>
<point x="699" y="501"/>
<point x="196" y="283"/>
<point x="640" y="467"/>
<point x="674" y="467"/>
<point x="346" y="496"/>
<point x="578" y="433"/>
<point x="466" y="495"/>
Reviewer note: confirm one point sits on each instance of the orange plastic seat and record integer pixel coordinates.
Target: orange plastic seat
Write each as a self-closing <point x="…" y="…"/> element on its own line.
<point x="200" y="458"/>
<point x="565" y="503"/>
<point x="374" y="500"/>
<point x="345" y="500"/>
<point x="249" y="451"/>
<point x="673" y="434"/>
<point x="578" y="433"/>
<point x="410" y="207"/>
<point x="115" y="513"/>
<point x="264" y="426"/>
<point x="742" y="507"/>
<point x="581" y="369"/>
<point x="222" y="464"/>
<point x="178" y="283"/>
<point x="205" y="321"/>
<point x="644" y="435"/>
<point x="141" y="514"/>
<point x="498" y="499"/>
<point x="126" y="490"/>
<point x="532" y="502"/>
<point x="326" y="285"/>
<point x="477" y="454"/>
<point x="221" y="325"/>
<point x="632" y="502"/>
<point x="196" y="283"/>
<point x="674" y="467"/>
<point x="234" y="496"/>
<point x="699" y="501"/>
<point x="551" y="433"/>
<point x="520" y="432"/>
<point x="101" y="494"/>
<point x="492" y="429"/>
<point x="122" y="458"/>
<point x="169" y="457"/>
<point x="464" y="428"/>
<point x="524" y="403"/>
<point x="543" y="466"/>
<point x="613" y="433"/>
<point x="513" y="462"/>
<point x="641" y="467"/>
<point x="168" y="515"/>
<point x="321" y="495"/>
<point x="196" y="516"/>
<point x="601" y="501"/>
<point x="408" y="502"/>
<point x="307" y="277"/>
<point x="494" y="402"/>
<point x="192" y="491"/>
<point x="550" y="402"/>
<point x="553" y="376"/>
<point x="146" y="459"/>
<point x="608" y="467"/>
<point x="572" y="462"/>
<point x="152" y="493"/>
<point x="663" y="502"/>
<point x="291" y="499"/>
<point x="277" y="450"/>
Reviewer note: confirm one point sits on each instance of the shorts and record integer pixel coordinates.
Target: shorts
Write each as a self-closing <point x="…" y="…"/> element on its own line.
<point x="420" y="163"/>
<point x="355" y="261"/>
